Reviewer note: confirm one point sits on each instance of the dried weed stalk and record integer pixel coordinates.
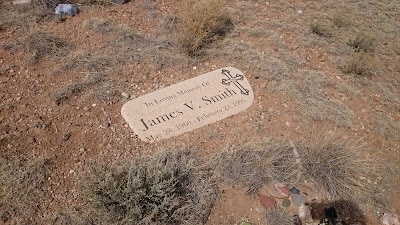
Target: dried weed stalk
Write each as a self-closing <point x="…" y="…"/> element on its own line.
<point x="40" y="44"/>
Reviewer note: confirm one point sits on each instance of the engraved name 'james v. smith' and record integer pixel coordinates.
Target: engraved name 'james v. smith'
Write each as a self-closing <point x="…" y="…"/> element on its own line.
<point x="207" y="100"/>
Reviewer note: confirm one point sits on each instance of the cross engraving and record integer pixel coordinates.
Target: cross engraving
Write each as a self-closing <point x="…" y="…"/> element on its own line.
<point x="234" y="80"/>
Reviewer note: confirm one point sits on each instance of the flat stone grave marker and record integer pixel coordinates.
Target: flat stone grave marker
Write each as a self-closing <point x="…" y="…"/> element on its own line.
<point x="188" y="105"/>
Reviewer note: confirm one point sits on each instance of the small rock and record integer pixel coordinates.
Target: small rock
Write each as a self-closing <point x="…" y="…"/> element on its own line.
<point x="31" y="140"/>
<point x="81" y="149"/>
<point x="85" y="108"/>
<point x="125" y="95"/>
<point x="286" y="202"/>
<point x="71" y="171"/>
<point x="298" y="199"/>
<point x="118" y="2"/>
<point x="245" y="223"/>
<point x="299" y="12"/>
<point x="267" y="201"/>
<point x="294" y="190"/>
<point x="66" y="136"/>
<point x="194" y="67"/>
<point x="105" y="124"/>
<point x="282" y="188"/>
<point x="206" y="64"/>
<point x="94" y="105"/>
<point x="305" y="214"/>
<point x="390" y="219"/>
<point x="271" y="189"/>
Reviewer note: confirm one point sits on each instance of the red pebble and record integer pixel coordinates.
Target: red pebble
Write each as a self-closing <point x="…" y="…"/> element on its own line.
<point x="267" y="201"/>
<point x="283" y="189"/>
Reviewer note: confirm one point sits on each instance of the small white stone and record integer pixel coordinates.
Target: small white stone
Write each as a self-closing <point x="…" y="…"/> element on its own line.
<point x="299" y="12"/>
<point x="194" y="67"/>
<point x="71" y="171"/>
<point x="125" y="95"/>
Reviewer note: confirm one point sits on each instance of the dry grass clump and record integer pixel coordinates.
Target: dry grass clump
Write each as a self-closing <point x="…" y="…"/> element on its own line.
<point x="313" y="101"/>
<point x="363" y="42"/>
<point x="279" y="216"/>
<point x="252" y="165"/>
<point x="202" y="22"/>
<point x="169" y="188"/>
<point x="99" y="25"/>
<point x="342" y="168"/>
<point x="75" y="88"/>
<point x="320" y="28"/>
<point x="40" y="44"/>
<point x="23" y="189"/>
<point x="340" y="20"/>
<point x="386" y="125"/>
<point x="359" y="63"/>
<point x="93" y="61"/>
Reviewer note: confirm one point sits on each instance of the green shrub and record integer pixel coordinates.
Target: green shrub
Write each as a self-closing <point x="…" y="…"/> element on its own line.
<point x="319" y="28"/>
<point x="359" y="63"/>
<point x="363" y="42"/>
<point x="169" y="188"/>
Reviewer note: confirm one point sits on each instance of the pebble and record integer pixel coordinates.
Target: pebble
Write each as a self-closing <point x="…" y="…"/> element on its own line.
<point x="105" y="124"/>
<point x="31" y="140"/>
<point x="286" y="202"/>
<point x="81" y="149"/>
<point x="85" y="108"/>
<point x="294" y="190"/>
<point x="298" y="199"/>
<point x="305" y="214"/>
<point x="194" y="67"/>
<point x="299" y="12"/>
<point x="71" y="171"/>
<point x="267" y="201"/>
<point x="390" y="219"/>
<point x="66" y="136"/>
<point x="125" y="95"/>
<point x="274" y="189"/>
